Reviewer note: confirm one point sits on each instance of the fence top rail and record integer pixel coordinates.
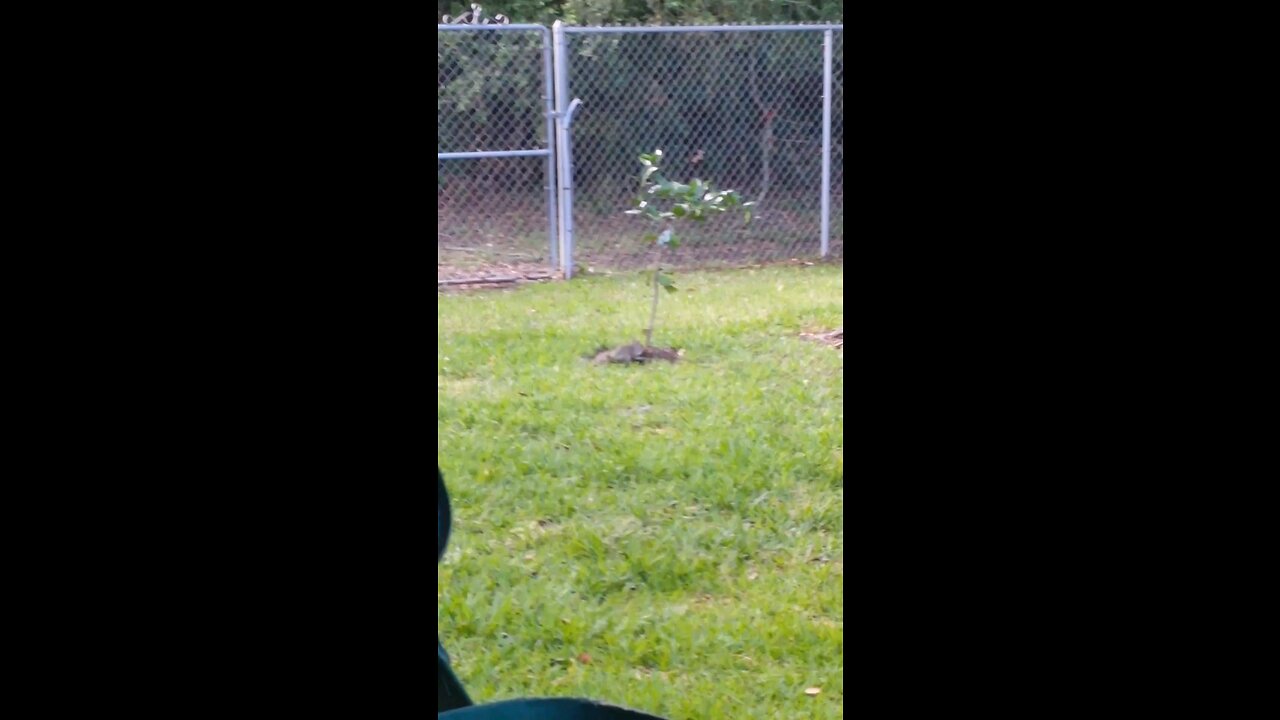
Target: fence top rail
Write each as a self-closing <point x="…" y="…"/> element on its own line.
<point x="635" y="29"/>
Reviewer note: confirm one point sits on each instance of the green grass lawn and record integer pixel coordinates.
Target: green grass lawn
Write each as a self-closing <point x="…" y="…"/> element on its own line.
<point x="670" y="538"/>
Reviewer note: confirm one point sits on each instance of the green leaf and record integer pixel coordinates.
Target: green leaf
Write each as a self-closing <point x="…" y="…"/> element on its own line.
<point x="680" y="210"/>
<point x="667" y="282"/>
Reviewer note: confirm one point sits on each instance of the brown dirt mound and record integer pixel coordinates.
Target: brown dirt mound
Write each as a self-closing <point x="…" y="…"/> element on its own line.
<point x="835" y="338"/>
<point x="634" y="353"/>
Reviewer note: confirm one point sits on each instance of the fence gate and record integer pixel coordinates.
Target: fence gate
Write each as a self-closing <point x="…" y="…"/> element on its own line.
<point x="495" y="151"/>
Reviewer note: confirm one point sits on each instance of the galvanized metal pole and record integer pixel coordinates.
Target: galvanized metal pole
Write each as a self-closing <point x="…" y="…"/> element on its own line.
<point x="698" y="29"/>
<point x="549" y="109"/>
<point x="482" y="154"/>
<point x="560" y="53"/>
<point x="828" y="48"/>
<point x="567" y="188"/>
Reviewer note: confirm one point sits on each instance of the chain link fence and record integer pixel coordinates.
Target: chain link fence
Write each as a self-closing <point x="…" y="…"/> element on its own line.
<point x="742" y="107"/>
<point x="495" y="196"/>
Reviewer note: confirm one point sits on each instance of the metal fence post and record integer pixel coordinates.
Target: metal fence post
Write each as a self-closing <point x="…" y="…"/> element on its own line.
<point x="560" y="62"/>
<point x="828" y="49"/>
<point x="549" y="102"/>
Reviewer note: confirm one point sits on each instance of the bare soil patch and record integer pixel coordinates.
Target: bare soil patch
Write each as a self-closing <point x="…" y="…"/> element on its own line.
<point x="835" y="338"/>
<point x="633" y="353"/>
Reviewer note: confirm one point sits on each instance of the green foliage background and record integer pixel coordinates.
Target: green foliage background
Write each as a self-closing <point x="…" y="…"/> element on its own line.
<point x="609" y="12"/>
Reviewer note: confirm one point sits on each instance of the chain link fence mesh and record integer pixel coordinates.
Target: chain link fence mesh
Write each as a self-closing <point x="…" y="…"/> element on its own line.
<point x="492" y="215"/>
<point x="742" y="110"/>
